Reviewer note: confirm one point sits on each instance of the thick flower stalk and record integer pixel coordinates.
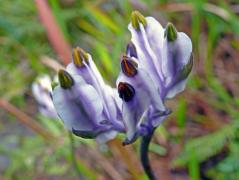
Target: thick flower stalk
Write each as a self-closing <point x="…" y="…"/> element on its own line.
<point x="42" y="92"/>
<point x="87" y="106"/>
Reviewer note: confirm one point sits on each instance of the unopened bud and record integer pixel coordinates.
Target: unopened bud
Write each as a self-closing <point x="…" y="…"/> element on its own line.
<point x="170" y="32"/>
<point x="53" y="84"/>
<point x="79" y="56"/>
<point x="65" y="79"/>
<point x="126" y="91"/>
<point x="137" y="18"/>
<point x="129" y="66"/>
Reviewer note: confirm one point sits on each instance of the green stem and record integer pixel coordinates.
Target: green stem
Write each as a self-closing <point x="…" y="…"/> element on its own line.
<point x="144" y="148"/>
<point x="73" y="156"/>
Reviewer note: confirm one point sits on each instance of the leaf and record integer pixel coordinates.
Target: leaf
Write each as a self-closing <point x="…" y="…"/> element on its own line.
<point x="156" y="148"/>
<point x="206" y="146"/>
<point x="103" y="18"/>
<point x="181" y="113"/>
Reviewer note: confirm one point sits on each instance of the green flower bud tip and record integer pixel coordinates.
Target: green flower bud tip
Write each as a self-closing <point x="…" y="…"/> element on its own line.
<point x="65" y="79"/>
<point x="170" y="32"/>
<point x="54" y="84"/>
<point x="79" y="55"/>
<point x="136" y="18"/>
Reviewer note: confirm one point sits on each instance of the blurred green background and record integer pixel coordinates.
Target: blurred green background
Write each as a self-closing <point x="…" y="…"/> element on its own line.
<point x="200" y="140"/>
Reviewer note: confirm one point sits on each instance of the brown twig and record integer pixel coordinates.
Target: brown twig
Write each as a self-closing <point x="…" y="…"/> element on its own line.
<point x="53" y="31"/>
<point x="109" y="169"/>
<point x="26" y="120"/>
<point x="127" y="156"/>
<point x="51" y="63"/>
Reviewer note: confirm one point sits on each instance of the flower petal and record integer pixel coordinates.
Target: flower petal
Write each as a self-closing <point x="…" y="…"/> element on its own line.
<point x="106" y="136"/>
<point x="86" y="73"/>
<point x="177" y="88"/>
<point x="157" y="117"/>
<point x="92" y="76"/>
<point x="176" y="55"/>
<point x="42" y="86"/>
<point x="146" y="56"/>
<point x="42" y="92"/>
<point x="79" y="107"/>
<point x="146" y="94"/>
<point x="133" y="112"/>
<point x="155" y="35"/>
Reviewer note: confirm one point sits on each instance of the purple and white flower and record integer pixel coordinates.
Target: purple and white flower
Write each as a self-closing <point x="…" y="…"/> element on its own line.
<point x="87" y="106"/>
<point x="42" y="92"/>
<point x="156" y="67"/>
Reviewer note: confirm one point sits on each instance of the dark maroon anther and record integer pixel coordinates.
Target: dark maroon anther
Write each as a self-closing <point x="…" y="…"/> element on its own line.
<point x="131" y="50"/>
<point x="128" y="66"/>
<point x="126" y="91"/>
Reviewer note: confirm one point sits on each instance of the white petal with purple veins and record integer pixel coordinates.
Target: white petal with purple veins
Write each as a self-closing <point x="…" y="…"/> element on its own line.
<point x="177" y="88"/>
<point x="79" y="107"/>
<point x="146" y="94"/>
<point x="146" y="57"/>
<point x="176" y="55"/>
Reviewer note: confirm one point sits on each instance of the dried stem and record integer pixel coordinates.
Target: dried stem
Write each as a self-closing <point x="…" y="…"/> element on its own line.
<point x="53" y="31"/>
<point x="127" y="157"/>
<point x="105" y="164"/>
<point x="26" y="120"/>
<point x="73" y="156"/>
<point x="51" y="63"/>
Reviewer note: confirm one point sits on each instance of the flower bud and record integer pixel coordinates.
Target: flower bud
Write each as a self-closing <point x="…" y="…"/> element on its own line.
<point x="65" y="79"/>
<point x="126" y="91"/>
<point x="79" y="56"/>
<point x="170" y="32"/>
<point x="136" y="18"/>
<point x="128" y="66"/>
<point x="53" y="85"/>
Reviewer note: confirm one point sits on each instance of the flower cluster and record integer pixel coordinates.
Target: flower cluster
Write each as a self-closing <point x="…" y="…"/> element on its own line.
<point x="155" y="67"/>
